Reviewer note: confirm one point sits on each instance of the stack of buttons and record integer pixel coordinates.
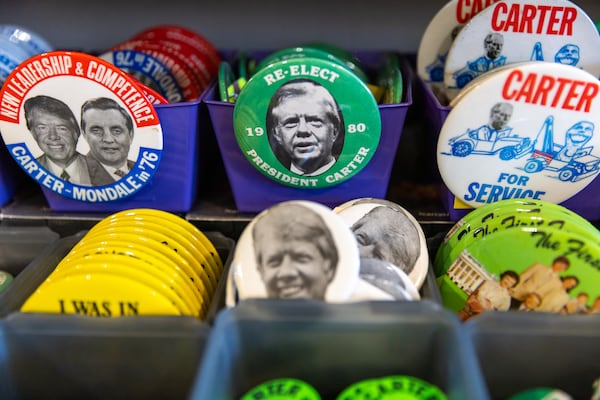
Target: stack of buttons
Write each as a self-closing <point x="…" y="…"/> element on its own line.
<point x="134" y="262"/>
<point x="366" y="249"/>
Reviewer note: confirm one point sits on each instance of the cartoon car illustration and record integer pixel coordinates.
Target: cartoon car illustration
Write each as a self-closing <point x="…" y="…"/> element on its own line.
<point x="572" y="161"/>
<point x="507" y="147"/>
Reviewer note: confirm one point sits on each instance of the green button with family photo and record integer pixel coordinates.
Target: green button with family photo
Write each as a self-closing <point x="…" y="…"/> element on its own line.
<point x="524" y="268"/>
<point x="307" y="123"/>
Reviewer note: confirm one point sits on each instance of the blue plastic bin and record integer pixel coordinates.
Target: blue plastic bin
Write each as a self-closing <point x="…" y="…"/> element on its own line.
<point x="331" y="346"/>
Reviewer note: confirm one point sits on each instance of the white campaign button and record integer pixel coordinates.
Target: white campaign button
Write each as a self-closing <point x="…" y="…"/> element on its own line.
<point x="525" y="131"/>
<point x="438" y="36"/>
<point x="522" y="30"/>
<point x="296" y="250"/>
<point x="386" y="231"/>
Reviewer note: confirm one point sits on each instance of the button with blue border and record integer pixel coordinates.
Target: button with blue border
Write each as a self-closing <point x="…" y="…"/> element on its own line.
<point x="80" y="127"/>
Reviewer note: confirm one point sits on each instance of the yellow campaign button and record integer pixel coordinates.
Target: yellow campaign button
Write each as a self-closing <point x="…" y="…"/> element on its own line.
<point x="98" y="295"/>
<point x="128" y="267"/>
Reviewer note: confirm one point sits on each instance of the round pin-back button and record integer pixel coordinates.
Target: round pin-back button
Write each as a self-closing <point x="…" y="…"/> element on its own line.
<point x="392" y="387"/>
<point x="155" y="262"/>
<point x="148" y="70"/>
<point x="390" y="79"/>
<point x="5" y="280"/>
<point x="130" y="267"/>
<point x="84" y="293"/>
<point x="522" y="30"/>
<point x="347" y="58"/>
<point x="296" y="249"/>
<point x="535" y="138"/>
<point x="27" y="39"/>
<point x="438" y="37"/>
<point x="386" y="231"/>
<point x="505" y="214"/>
<point x="500" y="222"/>
<point x="383" y="280"/>
<point x="73" y="162"/>
<point x="317" y="52"/>
<point x="541" y="394"/>
<point x="11" y="55"/>
<point x="547" y="270"/>
<point x="283" y="389"/>
<point x="307" y="123"/>
<point x="183" y="71"/>
<point x="152" y="95"/>
<point x="183" y="35"/>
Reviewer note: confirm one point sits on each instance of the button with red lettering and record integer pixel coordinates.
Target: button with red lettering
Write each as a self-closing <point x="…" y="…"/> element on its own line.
<point x="438" y="37"/>
<point x="296" y="250"/>
<point x="79" y="126"/>
<point x="530" y="131"/>
<point x="522" y="30"/>
<point x="183" y="35"/>
<point x="149" y="70"/>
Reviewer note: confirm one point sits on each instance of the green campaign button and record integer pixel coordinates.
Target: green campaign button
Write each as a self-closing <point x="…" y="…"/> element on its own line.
<point x="396" y="387"/>
<point x="307" y="122"/>
<point x="5" y="280"/>
<point x="282" y="389"/>
<point x="541" y="269"/>
<point x="541" y="394"/>
<point x="322" y="52"/>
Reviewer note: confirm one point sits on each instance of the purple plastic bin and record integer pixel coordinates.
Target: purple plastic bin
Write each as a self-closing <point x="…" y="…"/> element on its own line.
<point x="254" y="192"/>
<point x="584" y="203"/>
<point x="12" y="176"/>
<point x="174" y="185"/>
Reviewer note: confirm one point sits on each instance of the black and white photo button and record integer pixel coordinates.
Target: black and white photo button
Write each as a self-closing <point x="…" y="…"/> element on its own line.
<point x="386" y="231"/>
<point x="296" y="250"/>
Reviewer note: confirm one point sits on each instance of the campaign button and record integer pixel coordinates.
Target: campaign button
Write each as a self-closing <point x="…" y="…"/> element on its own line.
<point x="183" y="35"/>
<point x="438" y="37"/>
<point x="390" y="80"/>
<point x="522" y="30"/>
<point x="505" y="214"/>
<point x="307" y="123"/>
<point x="282" y="389"/>
<point x="347" y="58"/>
<point x="186" y="78"/>
<point x="296" y="250"/>
<point x="534" y="138"/>
<point x="110" y="154"/>
<point x="5" y="280"/>
<point x="148" y="70"/>
<point x="392" y="387"/>
<point x="30" y="41"/>
<point x="11" y="55"/>
<point x="546" y="270"/>
<point x="387" y="232"/>
<point x="316" y="51"/>
<point x="541" y="394"/>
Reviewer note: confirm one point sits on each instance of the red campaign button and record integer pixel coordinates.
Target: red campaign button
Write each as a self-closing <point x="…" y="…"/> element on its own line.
<point x="152" y="95"/>
<point x="186" y="78"/>
<point x="183" y="35"/>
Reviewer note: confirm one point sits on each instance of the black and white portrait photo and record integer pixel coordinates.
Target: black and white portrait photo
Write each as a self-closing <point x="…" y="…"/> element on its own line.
<point x="296" y="250"/>
<point x="305" y="127"/>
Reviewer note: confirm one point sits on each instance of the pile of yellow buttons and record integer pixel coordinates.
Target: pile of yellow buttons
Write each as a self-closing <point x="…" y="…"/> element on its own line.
<point x="134" y="262"/>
